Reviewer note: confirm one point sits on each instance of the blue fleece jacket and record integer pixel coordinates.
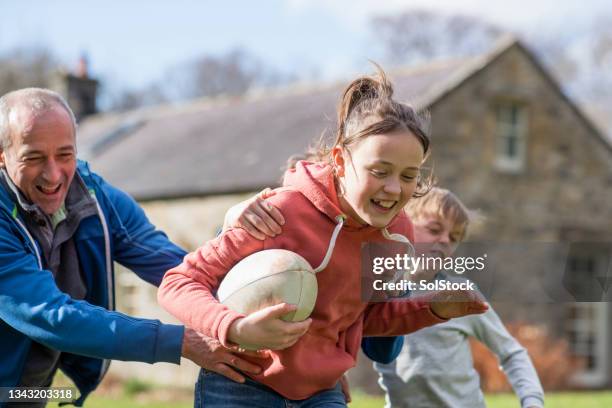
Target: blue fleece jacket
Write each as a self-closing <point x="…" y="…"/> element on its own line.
<point x="87" y="332"/>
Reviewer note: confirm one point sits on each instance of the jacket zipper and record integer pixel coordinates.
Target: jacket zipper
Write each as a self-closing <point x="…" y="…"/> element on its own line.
<point x="109" y="280"/>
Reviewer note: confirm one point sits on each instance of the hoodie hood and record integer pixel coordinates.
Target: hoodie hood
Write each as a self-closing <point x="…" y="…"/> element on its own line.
<point x="316" y="182"/>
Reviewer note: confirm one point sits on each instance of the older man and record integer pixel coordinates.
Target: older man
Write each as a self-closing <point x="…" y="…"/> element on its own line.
<point x="61" y="228"/>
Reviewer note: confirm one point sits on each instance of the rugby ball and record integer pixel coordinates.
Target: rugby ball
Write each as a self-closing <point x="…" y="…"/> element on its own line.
<point x="268" y="278"/>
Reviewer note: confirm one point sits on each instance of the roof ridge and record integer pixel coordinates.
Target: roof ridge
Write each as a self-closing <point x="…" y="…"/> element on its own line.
<point x="296" y="88"/>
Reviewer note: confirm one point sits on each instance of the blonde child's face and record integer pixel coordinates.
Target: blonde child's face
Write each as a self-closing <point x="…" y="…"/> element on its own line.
<point x="439" y="236"/>
<point x="435" y="237"/>
<point x="379" y="176"/>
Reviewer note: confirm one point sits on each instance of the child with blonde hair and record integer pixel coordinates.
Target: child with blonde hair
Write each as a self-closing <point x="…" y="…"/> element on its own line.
<point x="356" y="192"/>
<point x="435" y="368"/>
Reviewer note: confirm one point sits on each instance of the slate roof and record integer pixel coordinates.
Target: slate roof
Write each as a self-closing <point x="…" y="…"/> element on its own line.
<point x="229" y="145"/>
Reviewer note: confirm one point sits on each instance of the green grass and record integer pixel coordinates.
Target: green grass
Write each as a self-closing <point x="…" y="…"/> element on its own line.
<point x="104" y="402"/>
<point x="555" y="400"/>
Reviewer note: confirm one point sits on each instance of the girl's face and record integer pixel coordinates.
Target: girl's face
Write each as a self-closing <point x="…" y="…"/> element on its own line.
<point x="379" y="176"/>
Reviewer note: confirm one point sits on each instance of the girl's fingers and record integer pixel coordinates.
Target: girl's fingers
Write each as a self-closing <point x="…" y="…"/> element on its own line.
<point x="298" y="328"/>
<point x="277" y="311"/>
<point x="248" y="226"/>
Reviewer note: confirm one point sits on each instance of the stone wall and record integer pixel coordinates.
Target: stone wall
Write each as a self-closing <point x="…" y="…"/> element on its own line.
<point x="566" y="183"/>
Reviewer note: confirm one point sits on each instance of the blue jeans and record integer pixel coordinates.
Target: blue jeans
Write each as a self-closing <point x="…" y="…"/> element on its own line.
<point x="216" y="391"/>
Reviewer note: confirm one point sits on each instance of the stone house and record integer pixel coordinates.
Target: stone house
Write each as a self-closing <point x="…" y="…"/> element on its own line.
<point x="505" y="138"/>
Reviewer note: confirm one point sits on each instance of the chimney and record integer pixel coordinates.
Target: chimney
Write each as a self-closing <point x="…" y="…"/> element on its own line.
<point x="79" y="89"/>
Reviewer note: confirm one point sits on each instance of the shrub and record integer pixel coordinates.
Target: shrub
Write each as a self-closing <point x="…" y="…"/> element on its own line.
<point x="551" y="357"/>
<point x="134" y="386"/>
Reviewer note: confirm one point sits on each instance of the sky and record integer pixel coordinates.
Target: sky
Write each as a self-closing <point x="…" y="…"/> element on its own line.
<point x="133" y="42"/>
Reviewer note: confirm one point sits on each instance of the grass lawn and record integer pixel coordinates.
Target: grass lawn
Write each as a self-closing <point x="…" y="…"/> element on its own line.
<point x="554" y="400"/>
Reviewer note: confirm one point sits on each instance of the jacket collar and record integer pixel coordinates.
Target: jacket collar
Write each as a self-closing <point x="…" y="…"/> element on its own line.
<point x="77" y="199"/>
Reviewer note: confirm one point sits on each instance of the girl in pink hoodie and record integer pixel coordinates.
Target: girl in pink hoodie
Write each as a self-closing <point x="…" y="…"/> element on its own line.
<point x="356" y="194"/>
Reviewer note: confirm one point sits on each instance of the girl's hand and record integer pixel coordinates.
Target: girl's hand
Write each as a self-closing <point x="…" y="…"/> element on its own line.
<point x="448" y="304"/>
<point x="265" y="330"/>
<point x="256" y="216"/>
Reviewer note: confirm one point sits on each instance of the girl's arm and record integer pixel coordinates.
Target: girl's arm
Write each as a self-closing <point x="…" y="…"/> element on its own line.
<point x="403" y="316"/>
<point x="187" y="292"/>
<point x="398" y="317"/>
<point x="513" y="358"/>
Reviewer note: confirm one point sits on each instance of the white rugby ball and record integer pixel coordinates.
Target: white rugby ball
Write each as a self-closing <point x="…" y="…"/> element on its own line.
<point x="268" y="278"/>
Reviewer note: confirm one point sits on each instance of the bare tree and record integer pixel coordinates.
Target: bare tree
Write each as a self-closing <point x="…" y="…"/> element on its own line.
<point x="232" y="73"/>
<point x="126" y="99"/>
<point x="580" y="59"/>
<point x="26" y="67"/>
<point x="597" y="75"/>
<point x="415" y="36"/>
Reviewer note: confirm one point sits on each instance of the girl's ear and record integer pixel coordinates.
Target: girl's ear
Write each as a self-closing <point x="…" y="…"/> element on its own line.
<point x="337" y="155"/>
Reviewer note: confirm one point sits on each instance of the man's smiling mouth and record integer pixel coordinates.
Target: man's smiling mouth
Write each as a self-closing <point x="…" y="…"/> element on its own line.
<point x="49" y="190"/>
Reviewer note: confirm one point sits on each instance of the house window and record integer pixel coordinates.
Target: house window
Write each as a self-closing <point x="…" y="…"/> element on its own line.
<point x="587" y="320"/>
<point x="511" y="135"/>
<point x="587" y="334"/>
<point x="581" y="278"/>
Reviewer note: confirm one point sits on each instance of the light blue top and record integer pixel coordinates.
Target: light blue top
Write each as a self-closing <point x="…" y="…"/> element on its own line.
<point x="435" y="367"/>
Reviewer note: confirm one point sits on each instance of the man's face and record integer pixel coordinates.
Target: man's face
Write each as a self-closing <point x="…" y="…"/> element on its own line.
<point x="41" y="159"/>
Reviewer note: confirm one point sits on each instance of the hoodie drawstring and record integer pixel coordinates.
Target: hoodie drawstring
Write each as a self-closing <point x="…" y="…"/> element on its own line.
<point x="399" y="238"/>
<point x="332" y="243"/>
<point x="399" y="274"/>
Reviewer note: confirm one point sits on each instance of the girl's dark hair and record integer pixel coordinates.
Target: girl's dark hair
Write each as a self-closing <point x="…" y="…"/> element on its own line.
<point x="367" y="108"/>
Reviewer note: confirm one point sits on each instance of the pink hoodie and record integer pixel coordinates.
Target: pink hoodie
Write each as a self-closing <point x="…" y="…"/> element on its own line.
<point x="316" y="362"/>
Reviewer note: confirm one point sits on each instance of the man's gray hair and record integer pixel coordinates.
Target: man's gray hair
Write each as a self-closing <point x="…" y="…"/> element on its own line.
<point x="37" y="100"/>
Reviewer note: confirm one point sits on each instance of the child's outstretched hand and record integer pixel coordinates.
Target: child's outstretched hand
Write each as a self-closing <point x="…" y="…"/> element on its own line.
<point x="265" y="330"/>
<point x="447" y="304"/>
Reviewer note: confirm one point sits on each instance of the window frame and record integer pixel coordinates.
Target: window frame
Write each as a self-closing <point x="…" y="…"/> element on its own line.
<point x="511" y="126"/>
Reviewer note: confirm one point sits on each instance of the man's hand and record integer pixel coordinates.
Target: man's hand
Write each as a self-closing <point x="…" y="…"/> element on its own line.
<point x="256" y="216"/>
<point x="208" y="353"/>
<point x="447" y="304"/>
